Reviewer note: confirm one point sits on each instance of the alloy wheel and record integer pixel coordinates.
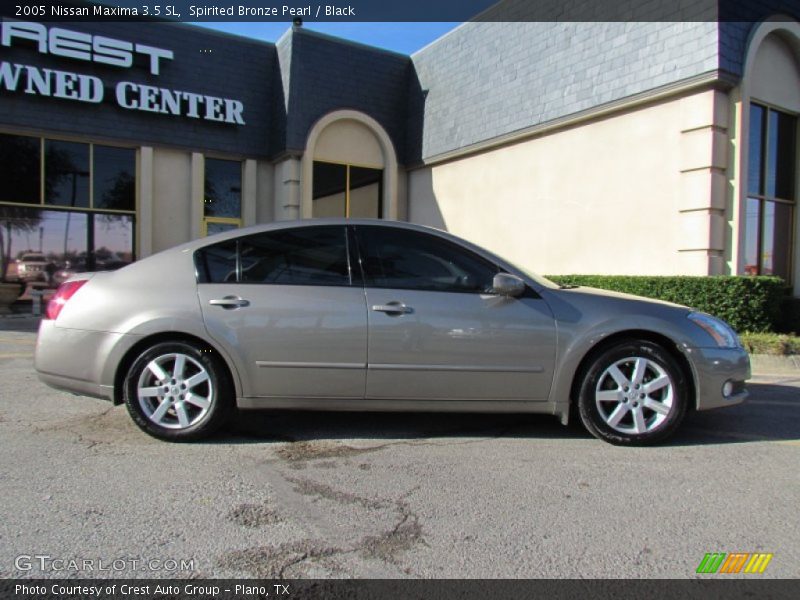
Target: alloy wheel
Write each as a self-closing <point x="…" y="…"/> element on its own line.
<point x="175" y="391"/>
<point x="634" y="395"/>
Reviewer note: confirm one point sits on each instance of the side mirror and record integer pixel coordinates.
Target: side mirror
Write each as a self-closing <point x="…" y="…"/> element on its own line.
<point x="505" y="284"/>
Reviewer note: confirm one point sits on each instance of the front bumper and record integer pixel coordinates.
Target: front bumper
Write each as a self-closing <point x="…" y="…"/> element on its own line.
<point x="713" y="367"/>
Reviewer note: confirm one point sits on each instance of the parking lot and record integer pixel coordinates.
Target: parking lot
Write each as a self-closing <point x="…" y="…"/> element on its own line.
<point x="388" y="495"/>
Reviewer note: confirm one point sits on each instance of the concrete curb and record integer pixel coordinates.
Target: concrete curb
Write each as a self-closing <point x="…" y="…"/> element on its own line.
<point x="766" y="364"/>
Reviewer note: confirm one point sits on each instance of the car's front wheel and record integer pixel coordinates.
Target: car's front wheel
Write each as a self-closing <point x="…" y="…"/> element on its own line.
<point x="177" y="391"/>
<point x="632" y="393"/>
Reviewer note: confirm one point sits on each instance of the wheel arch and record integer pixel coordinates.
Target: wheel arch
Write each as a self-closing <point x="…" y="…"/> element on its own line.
<point x="635" y="334"/>
<point x="168" y="336"/>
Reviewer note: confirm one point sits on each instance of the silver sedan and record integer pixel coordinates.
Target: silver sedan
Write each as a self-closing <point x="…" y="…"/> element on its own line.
<point x="367" y="315"/>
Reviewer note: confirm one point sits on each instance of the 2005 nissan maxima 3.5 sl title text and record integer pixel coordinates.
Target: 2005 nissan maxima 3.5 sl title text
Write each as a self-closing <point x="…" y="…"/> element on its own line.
<point x="375" y="315"/>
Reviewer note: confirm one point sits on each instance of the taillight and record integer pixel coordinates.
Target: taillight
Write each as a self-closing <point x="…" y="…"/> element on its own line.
<point x="64" y="292"/>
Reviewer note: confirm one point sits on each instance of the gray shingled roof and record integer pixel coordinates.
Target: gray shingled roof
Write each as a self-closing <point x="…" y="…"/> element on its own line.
<point x="485" y="80"/>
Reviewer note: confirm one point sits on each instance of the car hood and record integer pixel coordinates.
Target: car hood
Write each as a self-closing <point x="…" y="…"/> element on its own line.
<point x="595" y="293"/>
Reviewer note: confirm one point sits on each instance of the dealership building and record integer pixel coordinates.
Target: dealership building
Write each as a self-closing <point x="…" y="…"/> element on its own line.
<point x="634" y="148"/>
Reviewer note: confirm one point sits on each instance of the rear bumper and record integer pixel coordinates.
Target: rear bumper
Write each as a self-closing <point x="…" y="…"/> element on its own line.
<point x="714" y="367"/>
<point x="79" y="361"/>
<point x="77" y="386"/>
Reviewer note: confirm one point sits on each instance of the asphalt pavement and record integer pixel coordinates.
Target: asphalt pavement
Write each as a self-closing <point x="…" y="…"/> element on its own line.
<point x="298" y="494"/>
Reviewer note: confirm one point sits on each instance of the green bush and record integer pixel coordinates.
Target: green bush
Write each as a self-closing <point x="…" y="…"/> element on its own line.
<point x="771" y="343"/>
<point x="747" y="303"/>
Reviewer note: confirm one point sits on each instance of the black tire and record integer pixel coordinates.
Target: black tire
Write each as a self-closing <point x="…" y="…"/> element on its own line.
<point x="595" y="379"/>
<point x="216" y="390"/>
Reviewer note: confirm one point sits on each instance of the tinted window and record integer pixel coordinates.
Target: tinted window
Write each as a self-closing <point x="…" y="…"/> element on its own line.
<point x="66" y="173"/>
<point x="20" y="169"/>
<point x="114" y="178"/>
<point x="781" y="166"/>
<point x="223" y="188"/>
<point x="396" y="258"/>
<point x="756" y="145"/>
<point x="306" y="256"/>
<point x="217" y="263"/>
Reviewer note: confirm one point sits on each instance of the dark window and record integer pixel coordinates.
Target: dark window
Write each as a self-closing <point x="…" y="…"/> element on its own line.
<point x="329" y="193"/>
<point x="114" y="178"/>
<point x="223" y="193"/>
<point x="781" y="165"/>
<point x="396" y="258"/>
<point x="217" y="263"/>
<point x="305" y="256"/>
<point x="756" y="148"/>
<point x="771" y="172"/>
<point x="341" y="190"/>
<point x="20" y="169"/>
<point x="66" y="173"/>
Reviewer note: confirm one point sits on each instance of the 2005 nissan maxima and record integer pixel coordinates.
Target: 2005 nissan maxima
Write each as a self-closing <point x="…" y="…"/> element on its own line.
<point x="372" y="315"/>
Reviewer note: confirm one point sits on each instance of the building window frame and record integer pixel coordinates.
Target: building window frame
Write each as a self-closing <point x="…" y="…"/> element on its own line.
<point x="763" y="198"/>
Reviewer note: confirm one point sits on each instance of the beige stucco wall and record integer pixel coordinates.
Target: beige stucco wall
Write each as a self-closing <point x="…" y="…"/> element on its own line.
<point x="632" y="193"/>
<point x="172" y="184"/>
<point x="348" y="141"/>
<point x="776" y="75"/>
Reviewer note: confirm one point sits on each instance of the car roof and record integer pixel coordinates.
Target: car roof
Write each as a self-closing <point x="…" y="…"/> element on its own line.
<point x="298" y="223"/>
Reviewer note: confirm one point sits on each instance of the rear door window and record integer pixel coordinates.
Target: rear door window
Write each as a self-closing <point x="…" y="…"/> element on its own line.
<point x="302" y="256"/>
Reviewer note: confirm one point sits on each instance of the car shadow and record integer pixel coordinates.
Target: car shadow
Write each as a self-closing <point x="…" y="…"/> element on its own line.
<point x="306" y="426"/>
<point x="772" y="413"/>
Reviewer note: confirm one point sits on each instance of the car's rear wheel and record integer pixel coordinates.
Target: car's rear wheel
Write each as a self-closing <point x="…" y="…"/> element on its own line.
<point x="632" y="393"/>
<point x="177" y="391"/>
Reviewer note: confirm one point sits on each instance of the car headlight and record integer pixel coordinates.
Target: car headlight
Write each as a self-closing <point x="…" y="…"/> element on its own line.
<point x="723" y="334"/>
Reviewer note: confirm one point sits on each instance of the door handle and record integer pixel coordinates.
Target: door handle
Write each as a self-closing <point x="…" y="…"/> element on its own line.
<point x="230" y="302"/>
<point x="393" y="308"/>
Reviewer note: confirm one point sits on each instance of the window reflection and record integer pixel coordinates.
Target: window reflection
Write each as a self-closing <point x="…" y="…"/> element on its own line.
<point x="42" y="248"/>
<point x="751" y="237"/>
<point x="66" y="174"/>
<point x="114" y="178"/>
<point x="223" y="188"/>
